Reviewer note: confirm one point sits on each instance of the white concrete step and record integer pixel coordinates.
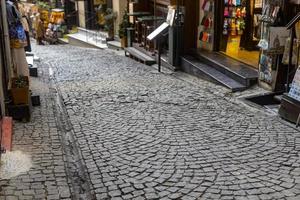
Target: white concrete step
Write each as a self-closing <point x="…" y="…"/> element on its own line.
<point x="83" y="40"/>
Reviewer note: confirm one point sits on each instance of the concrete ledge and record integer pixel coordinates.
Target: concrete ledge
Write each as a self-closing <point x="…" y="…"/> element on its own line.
<point x="7" y="131"/>
<point x="78" y="40"/>
<point x="63" y="41"/>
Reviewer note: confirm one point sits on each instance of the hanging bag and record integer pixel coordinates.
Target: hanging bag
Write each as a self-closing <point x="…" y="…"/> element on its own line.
<point x="226" y="12"/>
<point x="204" y="4"/>
<point x="203" y="20"/>
<point x="17" y="36"/>
<point x="207" y="6"/>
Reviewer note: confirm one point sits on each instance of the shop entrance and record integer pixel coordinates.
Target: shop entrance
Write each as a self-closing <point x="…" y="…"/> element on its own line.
<point x="239" y="30"/>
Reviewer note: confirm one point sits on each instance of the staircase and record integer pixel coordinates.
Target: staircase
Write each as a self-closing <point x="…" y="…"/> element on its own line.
<point x="220" y="69"/>
<point x="88" y="38"/>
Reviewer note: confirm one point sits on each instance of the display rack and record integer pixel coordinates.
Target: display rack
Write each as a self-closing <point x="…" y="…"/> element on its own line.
<point x="273" y="38"/>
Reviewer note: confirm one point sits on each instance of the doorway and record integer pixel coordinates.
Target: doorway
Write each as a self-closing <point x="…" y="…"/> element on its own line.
<point x="239" y="30"/>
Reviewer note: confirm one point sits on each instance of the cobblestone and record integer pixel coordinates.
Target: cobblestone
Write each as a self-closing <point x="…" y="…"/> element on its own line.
<point x="136" y="126"/>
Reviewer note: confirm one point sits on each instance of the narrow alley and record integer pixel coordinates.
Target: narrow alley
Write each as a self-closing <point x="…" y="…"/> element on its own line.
<point x="112" y="128"/>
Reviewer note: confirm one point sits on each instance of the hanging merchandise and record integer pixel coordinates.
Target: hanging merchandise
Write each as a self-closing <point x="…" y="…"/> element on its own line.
<point x="25" y="24"/>
<point x="266" y="62"/>
<point x="206" y="27"/>
<point x="273" y="40"/>
<point x="18" y="40"/>
<point x="234" y="17"/>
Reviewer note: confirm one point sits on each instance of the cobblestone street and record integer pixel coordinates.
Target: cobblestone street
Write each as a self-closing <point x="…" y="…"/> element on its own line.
<point x="146" y="135"/>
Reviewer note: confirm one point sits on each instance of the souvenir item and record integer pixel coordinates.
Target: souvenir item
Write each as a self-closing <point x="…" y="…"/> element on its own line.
<point x="233" y="27"/>
<point x="211" y="7"/>
<point x="226" y="12"/>
<point x="243" y="12"/>
<point x="209" y="38"/>
<point x="238" y="12"/>
<point x="210" y="22"/>
<point x="225" y="27"/>
<point x="263" y="43"/>
<point x="233" y="13"/>
<point x="230" y="11"/>
<point x="204" y="4"/>
<point x="275" y="12"/>
<point x="207" y="22"/>
<point x="201" y="35"/>
<point x="207" y="6"/>
<point x="17" y="36"/>
<point x="203" y="20"/>
<point x="205" y="37"/>
<point x="285" y="59"/>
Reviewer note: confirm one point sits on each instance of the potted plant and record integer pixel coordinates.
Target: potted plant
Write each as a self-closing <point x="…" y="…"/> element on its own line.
<point x="20" y="90"/>
<point x="109" y="22"/>
<point x="123" y="29"/>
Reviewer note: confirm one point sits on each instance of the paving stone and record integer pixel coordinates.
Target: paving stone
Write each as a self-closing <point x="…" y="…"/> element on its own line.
<point x="10" y="198"/>
<point x="151" y="196"/>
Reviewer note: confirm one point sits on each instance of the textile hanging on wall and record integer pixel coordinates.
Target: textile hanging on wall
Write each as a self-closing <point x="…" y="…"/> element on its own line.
<point x="19" y="62"/>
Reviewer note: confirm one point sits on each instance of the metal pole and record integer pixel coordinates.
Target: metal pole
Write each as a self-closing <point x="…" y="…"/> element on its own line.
<point x="177" y="26"/>
<point x="159" y="55"/>
<point x="154" y="13"/>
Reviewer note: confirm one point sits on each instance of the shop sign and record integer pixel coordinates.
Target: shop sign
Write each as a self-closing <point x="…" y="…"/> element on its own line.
<point x="158" y="31"/>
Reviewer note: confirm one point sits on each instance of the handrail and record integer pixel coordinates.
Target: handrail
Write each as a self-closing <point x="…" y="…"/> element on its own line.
<point x="292" y="23"/>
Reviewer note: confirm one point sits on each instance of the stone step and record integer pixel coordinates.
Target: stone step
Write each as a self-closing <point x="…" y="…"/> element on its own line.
<point x="99" y="33"/>
<point x="81" y="40"/>
<point x="195" y="67"/>
<point x="234" y="69"/>
<point x="135" y="53"/>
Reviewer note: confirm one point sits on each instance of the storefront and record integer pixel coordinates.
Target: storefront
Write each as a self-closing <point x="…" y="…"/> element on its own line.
<point x="145" y="17"/>
<point x="231" y="35"/>
<point x="234" y="32"/>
